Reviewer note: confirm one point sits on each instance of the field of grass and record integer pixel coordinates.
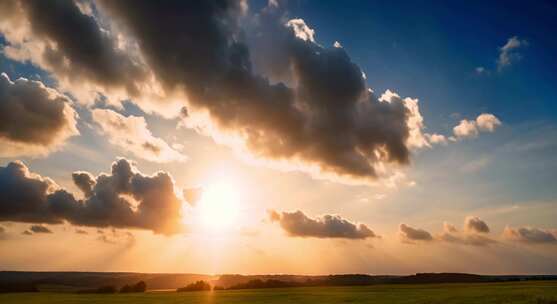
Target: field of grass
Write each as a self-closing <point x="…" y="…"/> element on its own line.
<point x="541" y="292"/>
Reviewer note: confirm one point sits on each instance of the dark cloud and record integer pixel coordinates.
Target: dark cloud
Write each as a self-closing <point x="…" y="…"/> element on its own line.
<point x="73" y="45"/>
<point x="85" y="181"/>
<point x="260" y="83"/>
<point x="297" y="224"/>
<point x="123" y="199"/>
<point x="530" y="235"/>
<point x="27" y="232"/>
<point x="34" y="119"/>
<point x="81" y="231"/>
<point x="475" y="225"/>
<point x="324" y="119"/>
<point x="409" y="234"/>
<point x="39" y="229"/>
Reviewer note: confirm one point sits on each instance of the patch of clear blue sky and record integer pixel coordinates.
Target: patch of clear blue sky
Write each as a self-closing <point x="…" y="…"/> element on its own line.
<point x="429" y="50"/>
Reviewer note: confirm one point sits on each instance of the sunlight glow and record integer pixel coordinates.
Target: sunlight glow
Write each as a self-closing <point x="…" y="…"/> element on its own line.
<point x="218" y="208"/>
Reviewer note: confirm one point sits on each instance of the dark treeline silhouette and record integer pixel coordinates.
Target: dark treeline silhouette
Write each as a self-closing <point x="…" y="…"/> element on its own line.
<point x="91" y="282"/>
<point x="138" y="287"/>
<point x="197" y="286"/>
<point x="18" y="287"/>
<point x="102" y="289"/>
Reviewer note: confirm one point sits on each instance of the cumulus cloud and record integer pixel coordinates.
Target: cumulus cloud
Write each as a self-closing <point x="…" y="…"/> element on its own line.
<point x="530" y="235"/>
<point x="87" y="56"/>
<point x="409" y="234"/>
<point x="466" y="128"/>
<point x="39" y="229"/>
<point x="474" y="233"/>
<point x="131" y="134"/>
<point x="475" y="224"/>
<point x="305" y="106"/>
<point x="485" y="122"/>
<point x="125" y="198"/>
<point x="436" y="138"/>
<point x="508" y="53"/>
<point x="259" y="82"/>
<point x="34" y="119"/>
<point x="297" y="224"/>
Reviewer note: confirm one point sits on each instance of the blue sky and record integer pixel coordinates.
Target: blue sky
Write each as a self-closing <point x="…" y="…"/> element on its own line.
<point x="431" y="51"/>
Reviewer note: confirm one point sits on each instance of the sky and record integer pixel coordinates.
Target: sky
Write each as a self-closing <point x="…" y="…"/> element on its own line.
<point x="304" y="137"/>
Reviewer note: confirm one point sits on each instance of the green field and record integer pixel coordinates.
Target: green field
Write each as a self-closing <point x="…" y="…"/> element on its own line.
<point x="542" y="292"/>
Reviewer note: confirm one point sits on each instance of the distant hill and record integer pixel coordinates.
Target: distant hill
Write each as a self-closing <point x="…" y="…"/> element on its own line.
<point x="9" y="279"/>
<point x="98" y="279"/>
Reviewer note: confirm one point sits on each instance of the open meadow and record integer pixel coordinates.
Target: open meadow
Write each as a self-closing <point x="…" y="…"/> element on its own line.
<point x="539" y="292"/>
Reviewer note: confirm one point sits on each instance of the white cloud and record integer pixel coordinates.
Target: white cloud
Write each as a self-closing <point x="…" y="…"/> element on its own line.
<point x="466" y="129"/>
<point x="131" y="134"/>
<point x="480" y="70"/>
<point x="301" y="30"/>
<point x="509" y="52"/>
<point x="485" y="122"/>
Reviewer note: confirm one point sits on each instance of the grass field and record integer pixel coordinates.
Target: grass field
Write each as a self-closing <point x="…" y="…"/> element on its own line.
<point x="542" y="292"/>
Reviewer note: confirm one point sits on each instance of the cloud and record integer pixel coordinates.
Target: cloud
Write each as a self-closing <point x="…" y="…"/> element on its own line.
<point x="131" y="134"/>
<point x="466" y="128"/>
<point x="509" y="52"/>
<point x="39" y="229"/>
<point x="480" y="70"/>
<point x="409" y="234"/>
<point x="81" y="231"/>
<point x="473" y="234"/>
<point x="530" y="235"/>
<point x="436" y="139"/>
<point x="258" y="82"/>
<point x="87" y="56"/>
<point x="475" y="224"/>
<point x="34" y="119"/>
<point x="125" y="198"/>
<point x="447" y="227"/>
<point x="297" y="224"/>
<point x="466" y="239"/>
<point x="204" y="59"/>
<point x="114" y="237"/>
<point x="485" y="122"/>
<point x="301" y="30"/>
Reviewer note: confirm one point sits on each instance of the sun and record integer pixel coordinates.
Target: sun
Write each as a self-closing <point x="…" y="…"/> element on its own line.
<point x="219" y="206"/>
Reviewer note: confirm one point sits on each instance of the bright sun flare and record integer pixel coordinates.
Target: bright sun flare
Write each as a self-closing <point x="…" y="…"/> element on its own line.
<point x="218" y="207"/>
